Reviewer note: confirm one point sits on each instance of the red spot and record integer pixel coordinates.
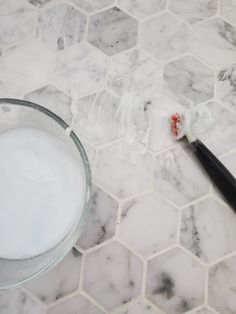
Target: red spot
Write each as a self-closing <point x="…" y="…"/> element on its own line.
<point x="176" y="120"/>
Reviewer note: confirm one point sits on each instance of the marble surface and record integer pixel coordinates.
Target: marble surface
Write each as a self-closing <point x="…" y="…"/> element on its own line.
<point x="165" y="281"/>
<point x="112" y="31"/>
<point x="159" y="238"/>
<point x="193" y="11"/>
<point x="164" y="36"/>
<point x="61" y="26"/>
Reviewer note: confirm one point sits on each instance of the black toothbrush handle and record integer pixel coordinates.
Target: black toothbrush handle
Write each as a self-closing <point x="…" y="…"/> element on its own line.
<point x="220" y="175"/>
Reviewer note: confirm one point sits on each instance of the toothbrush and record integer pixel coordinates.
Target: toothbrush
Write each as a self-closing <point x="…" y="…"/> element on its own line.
<point x="220" y="176"/>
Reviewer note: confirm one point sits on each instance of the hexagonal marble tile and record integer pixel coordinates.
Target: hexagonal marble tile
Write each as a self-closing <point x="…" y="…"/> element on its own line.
<point x="226" y="86"/>
<point x="101" y="221"/>
<point x="76" y="304"/>
<point x="170" y="281"/>
<point x="128" y="178"/>
<point x="53" y="99"/>
<point x="208" y="230"/>
<point x="164" y="36"/>
<point x="140" y="307"/>
<point x="178" y="177"/>
<point x="193" y="11"/>
<point x="113" y="275"/>
<point x="58" y="282"/>
<point x="148" y="224"/>
<point x="214" y="42"/>
<point x="140" y="9"/>
<point x="95" y="117"/>
<point x="80" y="70"/>
<point x="188" y="81"/>
<point x="16" y="301"/>
<point x="61" y="26"/>
<point x="134" y="72"/>
<point x="19" y="71"/>
<point x="222" y="286"/>
<point x="220" y="137"/>
<point x="228" y="10"/>
<point x="17" y="22"/>
<point x="112" y="31"/>
<point x="90" y="6"/>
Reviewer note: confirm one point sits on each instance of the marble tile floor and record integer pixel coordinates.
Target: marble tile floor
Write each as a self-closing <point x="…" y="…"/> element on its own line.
<point x="159" y="237"/>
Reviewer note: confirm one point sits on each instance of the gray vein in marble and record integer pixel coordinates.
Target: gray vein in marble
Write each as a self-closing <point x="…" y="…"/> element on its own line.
<point x="52" y="99"/>
<point x="226" y="86"/>
<point x="188" y="81"/>
<point x="164" y="36"/>
<point x="101" y="221"/>
<point x="17" y="23"/>
<point x="112" y="31"/>
<point x="193" y="11"/>
<point x="61" y="26"/>
<point x="208" y="230"/>
<point x="142" y="9"/>
<point x="165" y="284"/>
<point x="222" y="278"/>
<point x="74" y="305"/>
<point x="113" y="288"/>
<point x="58" y="282"/>
<point x="215" y="42"/>
<point x="39" y="3"/>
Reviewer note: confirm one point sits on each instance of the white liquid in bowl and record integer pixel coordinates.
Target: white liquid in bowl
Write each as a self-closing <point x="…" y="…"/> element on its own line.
<point x="42" y="190"/>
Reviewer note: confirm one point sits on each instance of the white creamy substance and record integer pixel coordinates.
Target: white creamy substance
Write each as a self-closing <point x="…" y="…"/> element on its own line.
<point x="42" y="189"/>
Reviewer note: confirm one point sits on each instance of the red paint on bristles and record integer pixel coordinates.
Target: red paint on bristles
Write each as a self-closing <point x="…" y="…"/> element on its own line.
<point x="176" y="120"/>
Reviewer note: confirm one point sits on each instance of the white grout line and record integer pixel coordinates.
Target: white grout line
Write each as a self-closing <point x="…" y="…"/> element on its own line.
<point x="206" y="286"/>
<point x="163" y="251"/>
<point x="93" y="301"/>
<point x="193" y="256"/>
<point x="118" y="220"/>
<point x="85" y="37"/>
<point x="178" y="232"/>
<point x="144" y="278"/>
<point x="223" y="258"/>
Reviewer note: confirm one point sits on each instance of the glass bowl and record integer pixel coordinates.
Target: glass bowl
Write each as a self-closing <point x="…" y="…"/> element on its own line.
<point x="18" y="113"/>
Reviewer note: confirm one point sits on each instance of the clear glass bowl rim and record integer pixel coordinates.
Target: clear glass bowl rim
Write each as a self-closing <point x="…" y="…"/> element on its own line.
<point x="74" y="237"/>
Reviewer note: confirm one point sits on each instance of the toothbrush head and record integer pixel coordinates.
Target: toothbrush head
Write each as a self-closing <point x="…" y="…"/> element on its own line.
<point x="177" y="125"/>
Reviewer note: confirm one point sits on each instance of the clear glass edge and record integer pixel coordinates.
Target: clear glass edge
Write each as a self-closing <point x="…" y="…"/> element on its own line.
<point x="78" y="230"/>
